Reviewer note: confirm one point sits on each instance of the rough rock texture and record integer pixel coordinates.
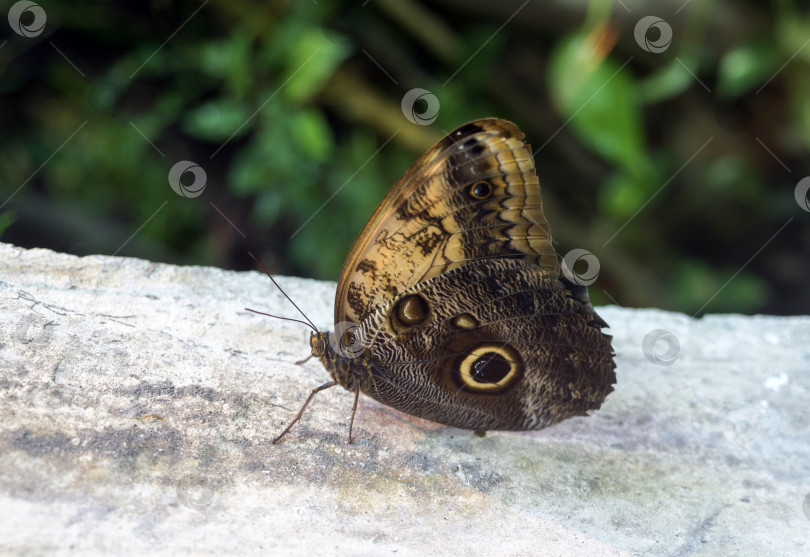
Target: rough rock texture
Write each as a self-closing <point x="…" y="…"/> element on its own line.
<point x="137" y="401"/>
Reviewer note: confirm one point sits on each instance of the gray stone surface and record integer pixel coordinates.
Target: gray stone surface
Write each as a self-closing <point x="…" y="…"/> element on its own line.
<point x="137" y="401"/>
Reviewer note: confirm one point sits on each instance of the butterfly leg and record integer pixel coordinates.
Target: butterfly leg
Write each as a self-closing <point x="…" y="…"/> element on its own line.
<point x="304" y="407"/>
<point x="305" y="360"/>
<point x="354" y="411"/>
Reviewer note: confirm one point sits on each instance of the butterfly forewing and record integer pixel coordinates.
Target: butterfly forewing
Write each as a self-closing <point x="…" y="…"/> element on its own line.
<point x="434" y="219"/>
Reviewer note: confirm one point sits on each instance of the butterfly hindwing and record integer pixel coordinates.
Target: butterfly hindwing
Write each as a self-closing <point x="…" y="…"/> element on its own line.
<point x="492" y="345"/>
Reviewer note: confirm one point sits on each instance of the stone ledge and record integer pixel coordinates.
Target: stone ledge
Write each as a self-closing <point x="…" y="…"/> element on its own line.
<point x="137" y="401"/>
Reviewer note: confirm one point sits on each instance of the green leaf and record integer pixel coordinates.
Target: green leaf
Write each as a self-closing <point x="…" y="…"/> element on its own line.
<point x="666" y="83"/>
<point x="312" y="133"/>
<point x="7" y="218"/>
<point x="596" y="97"/>
<point x="230" y="60"/>
<point x="746" y="67"/>
<point x="621" y="195"/>
<point x="799" y="107"/>
<point x="268" y="206"/>
<point x="312" y="60"/>
<point x="218" y="120"/>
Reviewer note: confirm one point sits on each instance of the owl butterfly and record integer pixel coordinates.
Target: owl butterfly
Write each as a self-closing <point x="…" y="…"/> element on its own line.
<point x="451" y="305"/>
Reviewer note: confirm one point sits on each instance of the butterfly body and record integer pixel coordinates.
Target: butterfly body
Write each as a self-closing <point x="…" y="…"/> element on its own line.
<point x="451" y="305"/>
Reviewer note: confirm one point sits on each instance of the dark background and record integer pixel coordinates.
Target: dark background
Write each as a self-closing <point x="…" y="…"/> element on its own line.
<point x="676" y="169"/>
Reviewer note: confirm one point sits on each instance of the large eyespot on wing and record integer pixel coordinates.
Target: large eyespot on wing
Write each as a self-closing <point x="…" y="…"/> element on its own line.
<point x="487" y="368"/>
<point x="475" y="194"/>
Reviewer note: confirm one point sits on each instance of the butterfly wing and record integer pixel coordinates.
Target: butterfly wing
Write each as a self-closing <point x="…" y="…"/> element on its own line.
<point x="493" y="344"/>
<point x="457" y="290"/>
<point x="473" y="195"/>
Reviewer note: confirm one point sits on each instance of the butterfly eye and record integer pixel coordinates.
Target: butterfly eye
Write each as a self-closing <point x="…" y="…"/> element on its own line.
<point x="481" y="190"/>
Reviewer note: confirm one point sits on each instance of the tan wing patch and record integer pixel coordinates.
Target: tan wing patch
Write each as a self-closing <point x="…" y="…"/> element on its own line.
<point x="474" y="195"/>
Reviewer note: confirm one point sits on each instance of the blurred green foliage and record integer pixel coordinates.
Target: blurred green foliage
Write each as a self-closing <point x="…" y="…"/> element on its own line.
<point x="677" y="169"/>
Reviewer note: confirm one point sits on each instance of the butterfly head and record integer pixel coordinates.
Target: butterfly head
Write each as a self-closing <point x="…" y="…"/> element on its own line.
<point x="342" y="353"/>
<point x="318" y="342"/>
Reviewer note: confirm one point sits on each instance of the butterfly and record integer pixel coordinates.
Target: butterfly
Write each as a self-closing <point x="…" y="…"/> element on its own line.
<point x="451" y="305"/>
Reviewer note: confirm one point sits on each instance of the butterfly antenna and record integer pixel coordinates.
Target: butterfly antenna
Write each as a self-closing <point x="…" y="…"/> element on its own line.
<point x="266" y="272"/>
<point x="279" y="317"/>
